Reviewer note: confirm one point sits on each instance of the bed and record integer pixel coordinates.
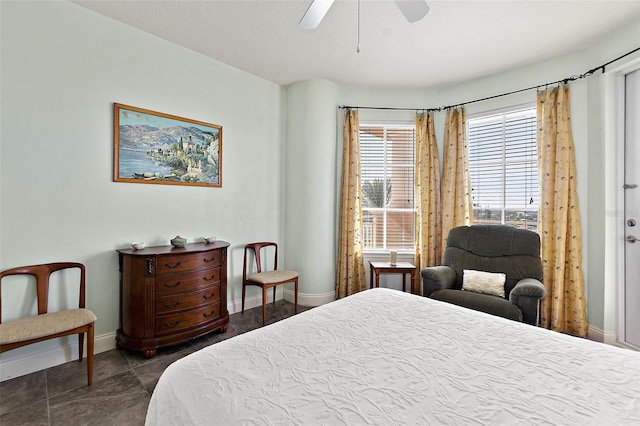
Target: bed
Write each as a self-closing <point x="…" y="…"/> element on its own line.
<point x="387" y="357"/>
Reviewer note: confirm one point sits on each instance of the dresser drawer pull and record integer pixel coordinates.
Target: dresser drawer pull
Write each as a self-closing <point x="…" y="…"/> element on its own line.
<point x="172" y="325"/>
<point x="207" y="297"/>
<point x="210" y="260"/>
<point x="169" y="285"/>
<point x="170" y="266"/>
<point x="212" y="277"/>
<point x="206" y="315"/>
<point x="169" y="305"/>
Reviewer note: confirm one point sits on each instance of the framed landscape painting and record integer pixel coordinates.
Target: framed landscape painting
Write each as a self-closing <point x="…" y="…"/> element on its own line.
<point x="152" y="147"/>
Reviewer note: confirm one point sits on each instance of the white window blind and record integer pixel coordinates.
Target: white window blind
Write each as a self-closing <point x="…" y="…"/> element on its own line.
<point x="503" y="167"/>
<point x="387" y="161"/>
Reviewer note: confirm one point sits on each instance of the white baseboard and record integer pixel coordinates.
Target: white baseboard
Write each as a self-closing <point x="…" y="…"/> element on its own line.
<point x="597" y="335"/>
<point x="252" y="302"/>
<point x="12" y="366"/>
<point x="309" y="299"/>
<point x="20" y="365"/>
<point x="286" y="294"/>
<point x="608" y="337"/>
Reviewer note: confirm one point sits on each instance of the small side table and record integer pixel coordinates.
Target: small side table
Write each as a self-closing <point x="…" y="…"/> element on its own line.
<point x="403" y="268"/>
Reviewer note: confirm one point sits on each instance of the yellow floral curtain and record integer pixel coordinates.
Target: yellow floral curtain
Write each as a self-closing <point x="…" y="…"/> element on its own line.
<point x="564" y="308"/>
<point x="427" y="187"/>
<point x="350" y="277"/>
<point x="456" y="186"/>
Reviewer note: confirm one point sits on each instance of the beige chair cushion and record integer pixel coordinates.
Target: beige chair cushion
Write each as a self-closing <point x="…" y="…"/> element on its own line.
<point x="271" y="277"/>
<point x="44" y="325"/>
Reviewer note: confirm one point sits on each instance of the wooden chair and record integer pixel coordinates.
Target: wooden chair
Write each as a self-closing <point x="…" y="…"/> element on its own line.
<point x="49" y="325"/>
<point x="267" y="279"/>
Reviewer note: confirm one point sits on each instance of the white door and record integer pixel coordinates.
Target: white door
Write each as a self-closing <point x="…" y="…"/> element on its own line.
<point x="632" y="208"/>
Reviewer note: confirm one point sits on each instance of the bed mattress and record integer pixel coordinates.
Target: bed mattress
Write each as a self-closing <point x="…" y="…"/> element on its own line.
<point x="387" y="357"/>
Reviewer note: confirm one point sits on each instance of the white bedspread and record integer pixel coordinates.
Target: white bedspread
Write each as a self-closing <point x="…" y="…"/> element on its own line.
<point x="386" y="357"/>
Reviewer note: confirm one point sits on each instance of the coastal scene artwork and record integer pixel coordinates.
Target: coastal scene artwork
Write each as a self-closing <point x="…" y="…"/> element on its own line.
<point x="152" y="147"/>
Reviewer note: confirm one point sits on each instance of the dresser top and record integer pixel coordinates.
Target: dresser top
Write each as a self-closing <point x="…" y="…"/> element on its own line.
<point x="188" y="248"/>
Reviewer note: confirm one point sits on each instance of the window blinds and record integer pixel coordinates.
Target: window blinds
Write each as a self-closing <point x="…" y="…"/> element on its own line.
<point x="387" y="161"/>
<point x="503" y="167"/>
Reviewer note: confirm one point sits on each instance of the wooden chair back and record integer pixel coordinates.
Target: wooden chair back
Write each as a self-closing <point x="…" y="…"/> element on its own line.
<point x="256" y="248"/>
<point x="42" y="274"/>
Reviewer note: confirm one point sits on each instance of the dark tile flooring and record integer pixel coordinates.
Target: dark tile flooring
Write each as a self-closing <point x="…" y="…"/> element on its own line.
<point x="123" y="381"/>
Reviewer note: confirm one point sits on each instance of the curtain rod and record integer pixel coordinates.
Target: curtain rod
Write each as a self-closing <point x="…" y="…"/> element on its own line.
<point x="563" y="81"/>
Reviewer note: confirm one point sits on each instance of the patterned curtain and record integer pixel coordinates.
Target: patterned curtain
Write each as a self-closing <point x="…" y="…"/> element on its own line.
<point x="456" y="186"/>
<point x="427" y="187"/>
<point x="350" y="277"/>
<point x="564" y="308"/>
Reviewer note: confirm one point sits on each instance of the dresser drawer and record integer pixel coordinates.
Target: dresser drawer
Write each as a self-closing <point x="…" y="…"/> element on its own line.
<point x="181" y="263"/>
<point x="187" y="282"/>
<point x="172" y="323"/>
<point x="186" y="301"/>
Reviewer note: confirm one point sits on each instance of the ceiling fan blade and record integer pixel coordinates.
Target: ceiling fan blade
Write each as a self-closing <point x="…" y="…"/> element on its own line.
<point x="413" y="10"/>
<point x="313" y="16"/>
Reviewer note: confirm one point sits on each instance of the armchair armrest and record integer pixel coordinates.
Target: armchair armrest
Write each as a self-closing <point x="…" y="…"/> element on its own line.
<point x="437" y="278"/>
<point x="527" y="287"/>
<point x="527" y="294"/>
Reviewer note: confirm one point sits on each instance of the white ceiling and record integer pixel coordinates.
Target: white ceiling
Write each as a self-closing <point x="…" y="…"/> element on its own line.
<point x="456" y="41"/>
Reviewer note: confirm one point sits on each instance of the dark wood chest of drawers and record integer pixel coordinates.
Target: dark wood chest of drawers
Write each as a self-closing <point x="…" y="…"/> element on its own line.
<point x="170" y="295"/>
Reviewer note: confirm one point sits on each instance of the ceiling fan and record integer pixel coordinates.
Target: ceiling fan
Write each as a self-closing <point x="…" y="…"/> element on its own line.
<point x="413" y="10"/>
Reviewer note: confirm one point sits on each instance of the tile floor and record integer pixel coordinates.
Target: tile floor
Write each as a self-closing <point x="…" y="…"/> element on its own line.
<point x="122" y="381"/>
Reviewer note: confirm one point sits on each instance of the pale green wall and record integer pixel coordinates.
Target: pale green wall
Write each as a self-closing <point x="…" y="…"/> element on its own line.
<point x="310" y="187"/>
<point x="63" y="67"/>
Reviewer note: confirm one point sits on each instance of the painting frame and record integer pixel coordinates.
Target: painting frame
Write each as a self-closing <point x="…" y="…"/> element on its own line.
<point x="157" y="148"/>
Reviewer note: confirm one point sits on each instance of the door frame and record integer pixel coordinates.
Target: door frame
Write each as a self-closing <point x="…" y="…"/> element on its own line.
<point x="620" y="207"/>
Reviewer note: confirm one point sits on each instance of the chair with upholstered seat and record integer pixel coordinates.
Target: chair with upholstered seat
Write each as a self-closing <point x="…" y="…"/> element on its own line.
<point x="267" y="279"/>
<point x="49" y="325"/>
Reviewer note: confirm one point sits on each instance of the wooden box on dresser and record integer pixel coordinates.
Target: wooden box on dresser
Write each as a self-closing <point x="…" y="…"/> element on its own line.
<point x="170" y="295"/>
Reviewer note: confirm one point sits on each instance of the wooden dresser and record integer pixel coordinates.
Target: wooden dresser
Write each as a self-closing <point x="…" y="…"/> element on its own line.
<point x="170" y="295"/>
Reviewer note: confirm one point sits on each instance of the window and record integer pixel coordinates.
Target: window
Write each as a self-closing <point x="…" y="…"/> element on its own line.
<point x="387" y="161"/>
<point x="503" y="167"/>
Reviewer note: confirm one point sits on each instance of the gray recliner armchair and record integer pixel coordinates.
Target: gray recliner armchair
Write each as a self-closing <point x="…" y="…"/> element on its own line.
<point x="496" y="249"/>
